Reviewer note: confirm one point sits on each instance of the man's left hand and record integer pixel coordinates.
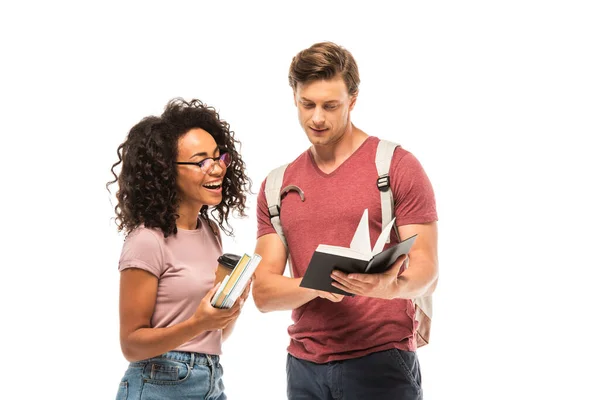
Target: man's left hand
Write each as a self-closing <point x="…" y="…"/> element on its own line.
<point x="383" y="285"/>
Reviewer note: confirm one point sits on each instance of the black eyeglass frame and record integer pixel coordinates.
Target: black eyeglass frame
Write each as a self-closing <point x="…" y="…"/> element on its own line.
<point x="215" y="160"/>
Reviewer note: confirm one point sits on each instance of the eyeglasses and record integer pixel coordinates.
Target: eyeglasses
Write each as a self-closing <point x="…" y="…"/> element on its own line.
<point x="208" y="164"/>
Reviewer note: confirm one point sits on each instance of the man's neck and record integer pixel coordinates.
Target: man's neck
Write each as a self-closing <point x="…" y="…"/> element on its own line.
<point x="331" y="156"/>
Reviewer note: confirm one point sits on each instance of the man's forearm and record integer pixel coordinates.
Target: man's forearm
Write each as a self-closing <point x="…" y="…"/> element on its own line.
<point x="273" y="292"/>
<point x="415" y="282"/>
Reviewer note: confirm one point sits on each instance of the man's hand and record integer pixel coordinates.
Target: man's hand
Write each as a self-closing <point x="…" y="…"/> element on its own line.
<point x="383" y="285"/>
<point x="334" y="297"/>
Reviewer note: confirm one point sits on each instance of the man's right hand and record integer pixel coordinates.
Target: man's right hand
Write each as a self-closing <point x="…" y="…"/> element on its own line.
<point x="334" y="297"/>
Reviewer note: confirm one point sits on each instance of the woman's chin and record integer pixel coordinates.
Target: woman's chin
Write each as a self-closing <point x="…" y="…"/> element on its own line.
<point x="212" y="200"/>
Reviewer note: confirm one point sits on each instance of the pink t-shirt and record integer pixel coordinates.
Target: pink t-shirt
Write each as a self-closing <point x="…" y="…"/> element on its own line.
<point x="323" y="331"/>
<point x="185" y="266"/>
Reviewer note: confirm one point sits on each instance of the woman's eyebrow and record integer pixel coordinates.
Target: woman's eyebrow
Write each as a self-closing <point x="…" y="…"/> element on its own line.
<point x="205" y="154"/>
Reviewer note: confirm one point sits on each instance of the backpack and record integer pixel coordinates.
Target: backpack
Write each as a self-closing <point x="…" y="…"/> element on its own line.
<point x="383" y="159"/>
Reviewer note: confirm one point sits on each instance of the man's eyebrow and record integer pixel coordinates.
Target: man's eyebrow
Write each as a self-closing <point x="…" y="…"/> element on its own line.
<point x="304" y="99"/>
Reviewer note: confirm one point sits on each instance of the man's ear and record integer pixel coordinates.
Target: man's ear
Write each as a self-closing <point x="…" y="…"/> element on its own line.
<point x="353" y="101"/>
<point x="295" y="101"/>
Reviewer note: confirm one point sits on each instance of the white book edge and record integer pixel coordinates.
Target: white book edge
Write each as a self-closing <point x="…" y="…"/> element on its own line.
<point x="240" y="284"/>
<point x="343" y="251"/>
<point x="242" y="281"/>
<point x="239" y="278"/>
<point x="247" y="274"/>
<point x="383" y="237"/>
<point x="361" y="241"/>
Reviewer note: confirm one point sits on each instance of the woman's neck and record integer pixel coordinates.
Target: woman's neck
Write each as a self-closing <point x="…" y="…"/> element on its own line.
<point x="188" y="218"/>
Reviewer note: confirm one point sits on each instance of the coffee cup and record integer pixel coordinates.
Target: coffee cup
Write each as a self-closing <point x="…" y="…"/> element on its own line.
<point x="226" y="264"/>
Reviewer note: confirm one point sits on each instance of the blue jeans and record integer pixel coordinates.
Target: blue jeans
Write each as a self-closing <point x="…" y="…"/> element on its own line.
<point x="384" y="375"/>
<point x="174" y="375"/>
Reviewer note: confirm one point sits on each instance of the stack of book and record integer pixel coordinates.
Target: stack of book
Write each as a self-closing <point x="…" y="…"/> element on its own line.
<point x="234" y="284"/>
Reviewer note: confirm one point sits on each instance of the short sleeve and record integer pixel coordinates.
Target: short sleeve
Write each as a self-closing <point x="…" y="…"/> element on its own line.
<point x="263" y="218"/>
<point x="142" y="250"/>
<point x="414" y="199"/>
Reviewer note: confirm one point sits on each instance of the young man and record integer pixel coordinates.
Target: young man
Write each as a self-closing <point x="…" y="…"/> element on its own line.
<point x="360" y="347"/>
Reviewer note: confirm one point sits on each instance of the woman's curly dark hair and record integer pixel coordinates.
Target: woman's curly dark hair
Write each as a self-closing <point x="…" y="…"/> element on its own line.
<point x="147" y="191"/>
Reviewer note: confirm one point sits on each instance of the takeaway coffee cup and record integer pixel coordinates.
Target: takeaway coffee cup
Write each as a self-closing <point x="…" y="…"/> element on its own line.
<point x="226" y="264"/>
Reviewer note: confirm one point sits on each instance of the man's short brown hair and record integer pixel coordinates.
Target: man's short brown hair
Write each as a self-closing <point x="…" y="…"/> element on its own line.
<point x="324" y="60"/>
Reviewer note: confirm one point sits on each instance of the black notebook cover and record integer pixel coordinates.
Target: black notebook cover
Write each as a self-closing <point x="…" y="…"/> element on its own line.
<point x="318" y="273"/>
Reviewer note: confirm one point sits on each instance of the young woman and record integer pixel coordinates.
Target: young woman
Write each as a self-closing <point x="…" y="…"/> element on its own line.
<point x="173" y="170"/>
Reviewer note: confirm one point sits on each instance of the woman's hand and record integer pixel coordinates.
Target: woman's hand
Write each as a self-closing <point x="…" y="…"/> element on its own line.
<point x="209" y="318"/>
<point x="240" y="301"/>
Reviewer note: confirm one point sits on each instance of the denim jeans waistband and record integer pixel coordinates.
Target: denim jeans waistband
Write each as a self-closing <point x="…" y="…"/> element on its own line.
<point x="189" y="358"/>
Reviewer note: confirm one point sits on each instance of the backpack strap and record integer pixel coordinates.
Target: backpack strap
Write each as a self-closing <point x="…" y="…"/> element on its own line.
<point x="423" y="305"/>
<point x="273" y="196"/>
<point x="383" y="160"/>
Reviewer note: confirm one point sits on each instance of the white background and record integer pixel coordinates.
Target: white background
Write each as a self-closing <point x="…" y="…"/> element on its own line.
<point x="498" y="100"/>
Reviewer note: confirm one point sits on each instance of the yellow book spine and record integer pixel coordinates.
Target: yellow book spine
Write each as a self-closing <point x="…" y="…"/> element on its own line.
<point x="235" y="274"/>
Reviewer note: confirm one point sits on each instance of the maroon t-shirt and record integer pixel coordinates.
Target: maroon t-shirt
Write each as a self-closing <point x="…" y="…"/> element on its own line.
<point x="324" y="331"/>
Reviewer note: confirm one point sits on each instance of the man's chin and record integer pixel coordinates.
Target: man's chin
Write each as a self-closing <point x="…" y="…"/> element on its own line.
<point x="317" y="140"/>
